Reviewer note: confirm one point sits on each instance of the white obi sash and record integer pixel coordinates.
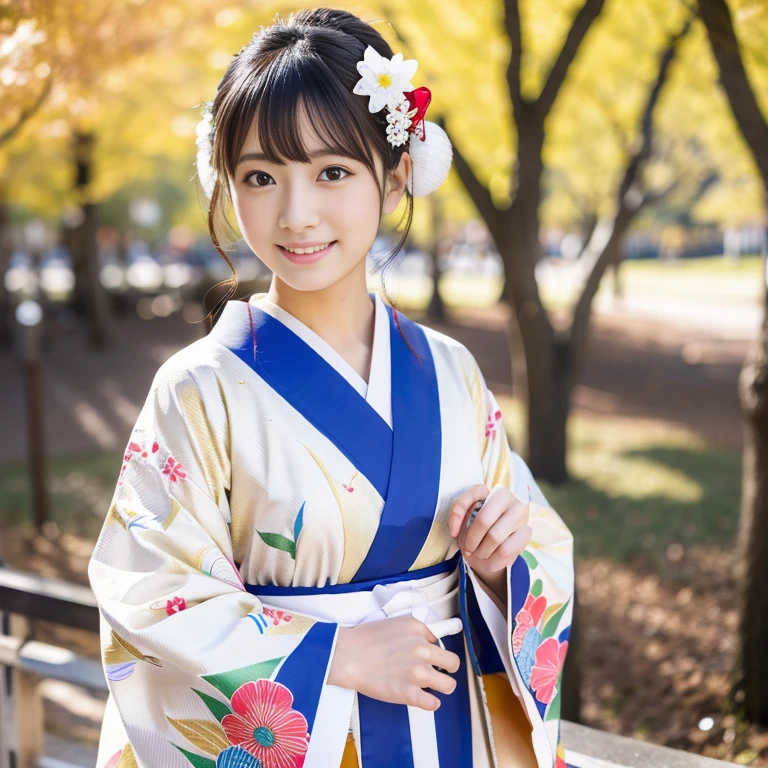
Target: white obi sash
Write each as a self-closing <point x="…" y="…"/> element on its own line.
<point x="433" y="599"/>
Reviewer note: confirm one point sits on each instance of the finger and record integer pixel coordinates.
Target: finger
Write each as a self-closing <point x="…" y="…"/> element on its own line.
<point x="461" y="505"/>
<point x="426" y="632"/>
<point x="418" y="697"/>
<point x="507" y="552"/>
<point x="445" y="627"/>
<point x="498" y="501"/>
<point x="426" y="676"/>
<point x="512" y="520"/>
<point x="439" y="681"/>
<point x="447" y="660"/>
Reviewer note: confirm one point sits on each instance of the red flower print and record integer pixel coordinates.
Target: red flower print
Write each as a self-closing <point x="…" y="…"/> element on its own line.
<point x="277" y="616"/>
<point x="265" y="725"/>
<point x="492" y="419"/>
<point x="173" y="469"/>
<point x="560" y="758"/>
<point x="550" y="656"/>
<point x="528" y="616"/>
<point x="175" y="605"/>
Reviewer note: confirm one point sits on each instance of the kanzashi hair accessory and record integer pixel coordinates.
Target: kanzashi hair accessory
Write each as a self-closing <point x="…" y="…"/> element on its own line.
<point x="387" y="83"/>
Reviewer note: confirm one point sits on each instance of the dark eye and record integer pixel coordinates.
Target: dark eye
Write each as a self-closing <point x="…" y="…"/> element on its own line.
<point x="260" y="175"/>
<point x="334" y="169"/>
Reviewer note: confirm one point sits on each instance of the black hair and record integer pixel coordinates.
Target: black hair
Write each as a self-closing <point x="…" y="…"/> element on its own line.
<point x="305" y="62"/>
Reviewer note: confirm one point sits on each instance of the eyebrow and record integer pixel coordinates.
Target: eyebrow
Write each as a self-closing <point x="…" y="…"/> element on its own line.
<point x="263" y="157"/>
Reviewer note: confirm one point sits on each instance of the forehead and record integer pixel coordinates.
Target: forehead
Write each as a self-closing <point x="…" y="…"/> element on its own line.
<point x="305" y="132"/>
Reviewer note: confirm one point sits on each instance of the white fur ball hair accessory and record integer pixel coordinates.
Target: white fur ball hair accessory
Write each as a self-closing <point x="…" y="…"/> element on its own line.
<point x="431" y="160"/>
<point x="204" y="133"/>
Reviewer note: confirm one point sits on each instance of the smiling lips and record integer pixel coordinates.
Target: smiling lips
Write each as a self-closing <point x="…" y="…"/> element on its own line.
<point x="308" y="255"/>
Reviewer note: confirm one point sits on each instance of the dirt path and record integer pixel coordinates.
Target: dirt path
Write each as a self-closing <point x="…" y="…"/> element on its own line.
<point x="640" y="368"/>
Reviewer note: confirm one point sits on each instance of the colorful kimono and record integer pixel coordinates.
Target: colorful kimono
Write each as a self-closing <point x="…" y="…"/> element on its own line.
<point x="268" y="496"/>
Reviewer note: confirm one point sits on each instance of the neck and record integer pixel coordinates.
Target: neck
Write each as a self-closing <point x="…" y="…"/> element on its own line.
<point x="341" y="314"/>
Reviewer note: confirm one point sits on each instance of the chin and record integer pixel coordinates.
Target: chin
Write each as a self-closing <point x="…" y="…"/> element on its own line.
<point x="305" y="279"/>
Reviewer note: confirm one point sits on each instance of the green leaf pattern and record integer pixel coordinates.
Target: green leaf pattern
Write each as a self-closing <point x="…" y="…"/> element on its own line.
<point x="278" y="541"/>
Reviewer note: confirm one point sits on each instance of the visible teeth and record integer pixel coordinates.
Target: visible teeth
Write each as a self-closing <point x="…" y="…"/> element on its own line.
<point x="307" y="250"/>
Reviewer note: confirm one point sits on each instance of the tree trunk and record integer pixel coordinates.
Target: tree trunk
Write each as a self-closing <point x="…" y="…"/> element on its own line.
<point x="549" y="387"/>
<point x="436" y="308"/>
<point x="6" y="251"/>
<point x="90" y="296"/>
<point x="750" y="691"/>
<point x="540" y="358"/>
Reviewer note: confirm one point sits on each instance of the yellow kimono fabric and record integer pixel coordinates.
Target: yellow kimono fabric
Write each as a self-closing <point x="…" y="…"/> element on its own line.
<point x="261" y="467"/>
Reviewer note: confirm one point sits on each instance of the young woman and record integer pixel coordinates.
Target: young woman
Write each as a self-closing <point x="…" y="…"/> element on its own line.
<point x="321" y="550"/>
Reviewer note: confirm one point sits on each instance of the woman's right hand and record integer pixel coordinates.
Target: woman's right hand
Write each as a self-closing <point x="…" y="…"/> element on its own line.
<point x="393" y="660"/>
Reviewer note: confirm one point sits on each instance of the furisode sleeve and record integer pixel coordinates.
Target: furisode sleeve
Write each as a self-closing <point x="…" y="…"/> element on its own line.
<point x="530" y="643"/>
<point x="200" y="673"/>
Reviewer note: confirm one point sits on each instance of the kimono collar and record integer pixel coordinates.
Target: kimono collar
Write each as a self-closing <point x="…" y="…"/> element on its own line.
<point x="377" y="391"/>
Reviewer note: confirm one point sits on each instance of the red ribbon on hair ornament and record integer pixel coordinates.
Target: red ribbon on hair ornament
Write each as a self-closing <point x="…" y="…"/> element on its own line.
<point x="419" y="100"/>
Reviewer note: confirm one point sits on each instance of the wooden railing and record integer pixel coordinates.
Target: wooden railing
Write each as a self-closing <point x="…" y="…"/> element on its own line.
<point x="24" y="664"/>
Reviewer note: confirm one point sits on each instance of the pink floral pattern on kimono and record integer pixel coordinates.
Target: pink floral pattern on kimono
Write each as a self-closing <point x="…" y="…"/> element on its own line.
<point x="175" y="605"/>
<point x="265" y="725"/>
<point x="173" y="469"/>
<point x="493" y="417"/>
<point x="276" y="615"/>
<point x="550" y="656"/>
<point x="528" y="616"/>
<point x="114" y="760"/>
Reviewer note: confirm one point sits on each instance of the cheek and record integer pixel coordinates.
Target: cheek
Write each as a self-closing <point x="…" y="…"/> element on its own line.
<point x="359" y="209"/>
<point x="251" y="218"/>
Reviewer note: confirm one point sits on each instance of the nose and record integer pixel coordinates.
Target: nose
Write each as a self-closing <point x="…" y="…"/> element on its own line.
<point x="299" y="208"/>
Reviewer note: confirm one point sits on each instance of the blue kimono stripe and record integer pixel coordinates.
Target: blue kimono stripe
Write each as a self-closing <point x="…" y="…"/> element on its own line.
<point x="313" y="387"/>
<point x="385" y="734"/>
<point x="452" y="718"/>
<point x="520" y="583"/>
<point x="417" y="452"/>
<point x="266" y="590"/>
<point x="303" y="671"/>
<point x="464" y="613"/>
<point x="488" y="657"/>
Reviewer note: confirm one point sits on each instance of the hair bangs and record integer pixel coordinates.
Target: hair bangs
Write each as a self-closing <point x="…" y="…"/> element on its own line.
<point x="272" y="103"/>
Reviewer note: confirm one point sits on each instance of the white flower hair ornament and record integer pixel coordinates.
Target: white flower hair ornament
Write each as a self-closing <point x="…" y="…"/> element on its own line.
<point x="388" y="84"/>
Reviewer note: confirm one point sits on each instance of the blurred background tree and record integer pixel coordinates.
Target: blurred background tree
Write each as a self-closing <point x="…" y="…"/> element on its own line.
<point x="750" y="690"/>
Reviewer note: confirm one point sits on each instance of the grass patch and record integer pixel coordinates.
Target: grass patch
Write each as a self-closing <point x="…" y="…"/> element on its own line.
<point x="640" y="490"/>
<point x="80" y="490"/>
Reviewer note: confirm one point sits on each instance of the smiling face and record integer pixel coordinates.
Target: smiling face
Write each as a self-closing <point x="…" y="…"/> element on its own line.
<point x="332" y="199"/>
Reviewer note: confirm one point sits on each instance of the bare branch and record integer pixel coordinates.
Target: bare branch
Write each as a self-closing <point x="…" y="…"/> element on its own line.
<point x="479" y="193"/>
<point x="576" y="34"/>
<point x="514" y="31"/>
<point x="26" y="114"/>
<point x="630" y="199"/>
<point x="735" y="81"/>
